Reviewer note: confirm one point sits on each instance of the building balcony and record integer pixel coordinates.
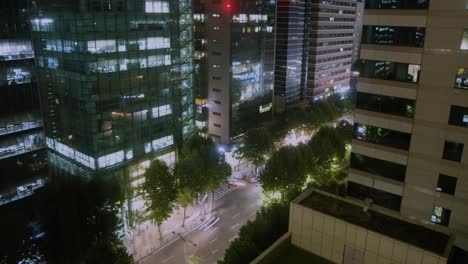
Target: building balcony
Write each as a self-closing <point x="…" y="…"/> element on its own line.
<point x="381" y="152"/>
<point x="395" y="106"/>
<point x="395" y="17"/>
<point x="376" y="181"/>
<point x="387" y="88"/>
<point x="22" y="191"/>
<point x="20" y="127"/>
<point x="409" y="55"/>
<point x="384" y="121"/>
<point x="11" y="151"/>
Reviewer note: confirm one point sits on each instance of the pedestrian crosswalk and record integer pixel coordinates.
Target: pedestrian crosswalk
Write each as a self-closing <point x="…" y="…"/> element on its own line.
<point x="224" y="190"/>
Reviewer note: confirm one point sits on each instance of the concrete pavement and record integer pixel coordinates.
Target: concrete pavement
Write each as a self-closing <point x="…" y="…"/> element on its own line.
<point x="212" y="238"/>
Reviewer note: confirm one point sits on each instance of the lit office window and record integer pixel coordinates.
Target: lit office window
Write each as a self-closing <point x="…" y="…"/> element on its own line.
<point x="440" y="216"/>
<point x="140" y="116"/>
<point x="215" y="15"/>
<point x="464" y="42"/>
<point x="15" y="49"/>
<point x="199" y="17"/>
<point x="161" y="111"/>
<point x="168" y="158"/>
<point x="162" y="142"/>
<point x="461" y="79"/>
<point x="215" y="28"/>
<point x="216" y="66"/>
<point x="240" y="18"/>
<point x="154" y="43"/>
<point x="102" y="46"/>
<point x="152" y="6"/>
<point x="111" y="159"/>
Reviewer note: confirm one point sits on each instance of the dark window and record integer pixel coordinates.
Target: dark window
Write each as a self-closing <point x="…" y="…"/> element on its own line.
<point x="216" y="125"/>
<point x="217" y="102"/>
<point x="379" y="167"/>
<point x="440" y="215"/>
<point x="382" y="136"/>
<point x="387" y="70"/>
<point x="461" y="79"/>
<point x="453" y="151"/>
<point x="446" y="184"/>
<point x="397" y="4"/>
<point x="458" y="116"/>
<point x="216" y="78"/>
<point x="394" y="36"/>
<point x="216" y="90"/>
<point x="381" y="198"/>
<point x="216" y="114"/>
<point x="385" y="104"/>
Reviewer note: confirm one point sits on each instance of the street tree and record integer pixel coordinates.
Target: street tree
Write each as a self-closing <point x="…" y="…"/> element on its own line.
<point x="256" y="236"/>
<point x="257" y="144"/>
<point x="327" y="144"/>
<point x="194" y="260"/>
<point x="285" y="171"/>
<point x="83" y="222"/>
<point x="160" y="192"/>
<point x="187" y="174"/>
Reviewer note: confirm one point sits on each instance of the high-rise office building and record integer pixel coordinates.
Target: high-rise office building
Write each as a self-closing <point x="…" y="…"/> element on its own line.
<point x="115" y="79"/>
<point x="22" y="156"/>
<point x="315" y="44"/>
<point x="331" y="47"/>
<point x="235" y="58"/>
<point x="411" y="116"/>
<point x="291" y="52"/>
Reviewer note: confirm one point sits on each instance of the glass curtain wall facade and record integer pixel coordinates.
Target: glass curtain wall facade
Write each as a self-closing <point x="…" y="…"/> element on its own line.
<point x="22" y="156"/>
<point x="234" y="58"/>
<point x="292" y="30"/>
<point x="252" y="59"/>
<point x="116" y="82"/>
<point x="331" y="47"/>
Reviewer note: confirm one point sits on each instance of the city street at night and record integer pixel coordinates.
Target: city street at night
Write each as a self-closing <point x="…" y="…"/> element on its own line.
<point x="233" y="210"/>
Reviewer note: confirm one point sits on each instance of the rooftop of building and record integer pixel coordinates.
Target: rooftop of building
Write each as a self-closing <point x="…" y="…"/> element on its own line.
<point x="377" y="220"/>
<point x="282" y="251"/>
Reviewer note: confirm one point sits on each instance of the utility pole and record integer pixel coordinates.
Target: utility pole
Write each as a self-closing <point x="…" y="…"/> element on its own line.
<point x="185" y="247"/>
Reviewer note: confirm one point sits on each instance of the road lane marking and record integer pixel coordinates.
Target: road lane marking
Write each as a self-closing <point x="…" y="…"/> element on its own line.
<point x="212" y="224"/>
<point x="168" y="244"/>
<point x="212" y="241"/>
<point x="252" y="214"/>
<point x="166" y="260"/>
<point x="234" y="226"/>
<point x="236" y="215"/>
<point x="214" y="251"/>
<point x="206" y="223"/>
<point x="232" y="238"/>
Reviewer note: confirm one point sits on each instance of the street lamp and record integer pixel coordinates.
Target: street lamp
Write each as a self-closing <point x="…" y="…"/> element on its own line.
<point x="185" y="247"/>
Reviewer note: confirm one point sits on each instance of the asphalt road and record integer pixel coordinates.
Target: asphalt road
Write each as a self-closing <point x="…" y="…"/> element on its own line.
<point x="230" y="213"/>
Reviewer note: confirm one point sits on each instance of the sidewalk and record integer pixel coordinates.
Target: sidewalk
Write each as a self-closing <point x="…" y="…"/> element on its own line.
<point x="144" y="238"/>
